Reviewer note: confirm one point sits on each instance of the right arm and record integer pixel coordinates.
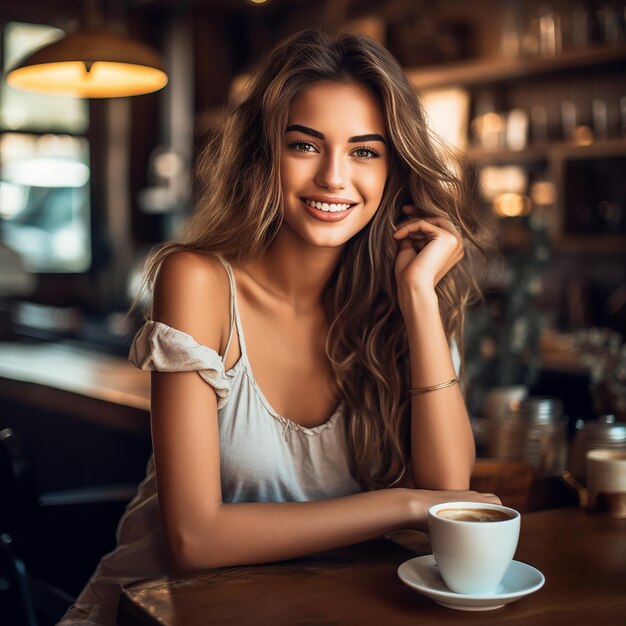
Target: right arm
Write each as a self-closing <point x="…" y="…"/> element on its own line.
<point x="191" y="294"/>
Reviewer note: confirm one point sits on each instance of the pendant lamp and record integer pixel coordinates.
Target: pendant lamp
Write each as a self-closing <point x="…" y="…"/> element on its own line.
<point x="94" y="62"/>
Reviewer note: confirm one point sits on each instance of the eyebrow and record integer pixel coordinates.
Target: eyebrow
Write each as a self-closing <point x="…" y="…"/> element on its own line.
<point x="316" y="133"/>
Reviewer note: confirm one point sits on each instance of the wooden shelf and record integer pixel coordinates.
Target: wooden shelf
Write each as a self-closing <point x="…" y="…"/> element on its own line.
<point x="485" y="71"/>
<point x="531" y="153"/>
<point x="590" y="243"/>
<point x="606" y="148"/>
<point x="597" y="150"/>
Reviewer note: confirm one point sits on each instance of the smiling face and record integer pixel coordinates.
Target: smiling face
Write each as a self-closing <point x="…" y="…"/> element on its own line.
<point x="333" y="163"/>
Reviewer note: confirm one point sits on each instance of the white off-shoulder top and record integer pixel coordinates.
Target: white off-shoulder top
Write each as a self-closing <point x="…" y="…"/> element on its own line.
<point x="264" y="457"/>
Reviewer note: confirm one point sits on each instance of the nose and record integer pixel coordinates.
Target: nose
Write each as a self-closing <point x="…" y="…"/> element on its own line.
<point x="332" y="172"/>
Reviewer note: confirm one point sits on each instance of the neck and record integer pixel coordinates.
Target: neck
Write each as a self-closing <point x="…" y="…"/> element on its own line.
<point x="294" y="272"/>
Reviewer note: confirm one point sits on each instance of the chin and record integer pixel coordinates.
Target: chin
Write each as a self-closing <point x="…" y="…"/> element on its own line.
<point x="328" y="238"/>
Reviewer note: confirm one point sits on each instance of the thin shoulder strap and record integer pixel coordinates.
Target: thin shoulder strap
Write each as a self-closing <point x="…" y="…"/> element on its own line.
<point x="235" y="320"/>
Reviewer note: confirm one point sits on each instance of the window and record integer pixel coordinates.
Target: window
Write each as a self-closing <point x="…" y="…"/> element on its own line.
<point x="44" y="166"/>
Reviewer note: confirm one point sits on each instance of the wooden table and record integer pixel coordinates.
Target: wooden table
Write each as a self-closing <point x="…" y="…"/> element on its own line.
<point x="582" y="556"/>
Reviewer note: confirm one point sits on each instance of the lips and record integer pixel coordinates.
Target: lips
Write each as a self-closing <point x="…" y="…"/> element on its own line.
<point x="332" y="207"/>
<point x="328" y="209"/>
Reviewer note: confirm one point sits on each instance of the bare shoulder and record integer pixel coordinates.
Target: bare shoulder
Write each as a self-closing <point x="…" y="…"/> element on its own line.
<point x="193" y="268"/>
<point x="192" y="294"/>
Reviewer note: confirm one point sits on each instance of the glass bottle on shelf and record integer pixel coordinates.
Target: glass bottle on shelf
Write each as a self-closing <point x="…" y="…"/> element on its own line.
<point x="610" y="23"/>
<point x="510" y="35"/>
<point x="580" y="30"/>
<point x="549" y="22"/>
<point x="600" y="119"/>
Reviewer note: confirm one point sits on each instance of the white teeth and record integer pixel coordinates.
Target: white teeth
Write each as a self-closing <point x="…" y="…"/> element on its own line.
<point x="324" y="206"/>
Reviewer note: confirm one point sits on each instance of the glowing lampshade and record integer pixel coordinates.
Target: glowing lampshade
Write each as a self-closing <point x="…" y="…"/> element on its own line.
<point x="91" y="63"/>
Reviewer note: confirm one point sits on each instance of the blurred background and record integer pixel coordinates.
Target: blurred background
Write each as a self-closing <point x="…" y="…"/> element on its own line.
<point x="532" y="95"/>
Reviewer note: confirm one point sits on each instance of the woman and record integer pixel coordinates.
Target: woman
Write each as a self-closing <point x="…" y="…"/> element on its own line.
<point x="300" y="336"/>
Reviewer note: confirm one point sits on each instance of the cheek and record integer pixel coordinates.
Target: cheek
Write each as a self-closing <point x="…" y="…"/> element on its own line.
<point x="374" y="183"/>
<point x="292" y="172"/>
<point x="284" y="172"/>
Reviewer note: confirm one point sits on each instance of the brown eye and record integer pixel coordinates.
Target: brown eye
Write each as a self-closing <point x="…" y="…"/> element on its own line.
<point x="301" y="146"/>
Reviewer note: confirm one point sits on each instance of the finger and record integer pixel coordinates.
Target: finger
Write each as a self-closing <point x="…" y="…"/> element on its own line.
<point x="407" y="244"/>
<point x="426" y="227"/>
<point x="409" y="213"/>
<point x="436" y="220"/>
<point x="444" y="223"/>
<point x="424" y="230"/>
<point x="416" y="245"/>
<point x="492" y="497"/>
<point x="413" y="226"/>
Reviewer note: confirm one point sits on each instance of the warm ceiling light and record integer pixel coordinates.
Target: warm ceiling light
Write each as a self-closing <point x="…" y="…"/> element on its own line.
<point x="512" y="205"/>
<point x="91" y="63"/>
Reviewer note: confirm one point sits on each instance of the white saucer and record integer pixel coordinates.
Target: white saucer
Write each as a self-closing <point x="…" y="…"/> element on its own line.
<point x="421" y="573"/>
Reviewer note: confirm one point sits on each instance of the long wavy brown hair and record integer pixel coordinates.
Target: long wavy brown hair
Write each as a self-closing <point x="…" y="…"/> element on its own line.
<point x="239" y="210"/>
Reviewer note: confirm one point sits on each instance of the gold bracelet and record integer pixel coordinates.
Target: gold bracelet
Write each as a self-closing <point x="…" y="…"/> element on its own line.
<point x="418" y="390"/>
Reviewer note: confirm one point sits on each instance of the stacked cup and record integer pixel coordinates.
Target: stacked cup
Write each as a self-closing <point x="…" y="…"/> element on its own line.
<point x="606" y="481"/>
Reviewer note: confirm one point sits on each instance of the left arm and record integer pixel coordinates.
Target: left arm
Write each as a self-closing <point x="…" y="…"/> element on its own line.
<point x="442" y="444"/>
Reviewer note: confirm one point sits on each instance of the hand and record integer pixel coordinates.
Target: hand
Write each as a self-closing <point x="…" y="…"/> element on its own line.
<point x="423" y="499"/>
<point x="429" y="248"/>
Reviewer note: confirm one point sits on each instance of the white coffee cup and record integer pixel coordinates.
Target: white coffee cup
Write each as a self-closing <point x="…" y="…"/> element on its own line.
<point x="606" y="481"/>
<point x="473" y="556"/>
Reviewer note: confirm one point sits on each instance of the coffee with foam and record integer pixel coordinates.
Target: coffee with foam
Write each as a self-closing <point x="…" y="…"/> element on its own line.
<point x="474" y="515"/>
<point x="473" y="544"/>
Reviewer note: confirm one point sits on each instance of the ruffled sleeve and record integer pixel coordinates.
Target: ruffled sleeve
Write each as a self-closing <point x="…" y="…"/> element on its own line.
<point x="161" y="348"/>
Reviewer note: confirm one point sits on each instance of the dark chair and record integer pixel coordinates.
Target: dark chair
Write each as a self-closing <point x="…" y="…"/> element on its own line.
<point x="46" y="528"/>
<point x="24" y="599"/>
<point x="16" y="601"/>
<point x="19" y="511"/>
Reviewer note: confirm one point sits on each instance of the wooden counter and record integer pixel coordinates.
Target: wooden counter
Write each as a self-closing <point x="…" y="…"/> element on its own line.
<point x="582" y="556"/>
<point x="78" y="382"/>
